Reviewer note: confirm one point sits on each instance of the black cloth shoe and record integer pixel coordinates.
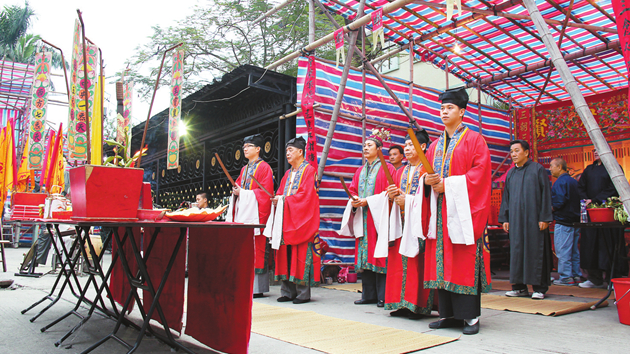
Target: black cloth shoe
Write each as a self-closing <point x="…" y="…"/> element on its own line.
<point x="258" y="295"/>
<point x="298" y="301"/>
<point x="284" y="299"/>
<point x="403" y="312"/>
<point x="474" y="329"/>
<point x="364" y="302"/>
<point x="415" y="316"/>
<point x="446" y="323"/>
<point x="380" y="303"/>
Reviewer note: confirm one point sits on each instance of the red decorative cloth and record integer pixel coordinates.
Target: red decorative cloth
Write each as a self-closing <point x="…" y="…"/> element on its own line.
<point x="172" y="298"/>
<point x="220" y="287"/>
<point x="118" y="282"/>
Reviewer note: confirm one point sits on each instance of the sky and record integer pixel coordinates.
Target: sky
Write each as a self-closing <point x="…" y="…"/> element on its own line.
<point x="117" y="27"/>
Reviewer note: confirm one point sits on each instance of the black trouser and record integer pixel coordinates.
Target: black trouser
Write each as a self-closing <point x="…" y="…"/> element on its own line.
<point x="459" y="306"/>
<point x="537" y="288"/>
<point x="373" y="286"/>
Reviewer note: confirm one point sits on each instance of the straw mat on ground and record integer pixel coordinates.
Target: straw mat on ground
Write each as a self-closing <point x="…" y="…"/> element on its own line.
<point x="528" y="305"/>
<point x="557" y="290"/>
<point x="334" y="335"/>
<point x="352" y="287"/>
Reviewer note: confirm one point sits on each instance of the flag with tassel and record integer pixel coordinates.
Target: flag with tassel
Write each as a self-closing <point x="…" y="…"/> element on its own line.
<point x="377" y="29"/>
<point x="339" y="42"/>
<point x="174" y="112"/>
<point x="39" y="108"/>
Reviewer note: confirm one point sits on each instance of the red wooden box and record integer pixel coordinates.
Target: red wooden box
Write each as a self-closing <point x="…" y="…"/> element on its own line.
<point x="103" y="192"/>
<point x="34" y="199"/>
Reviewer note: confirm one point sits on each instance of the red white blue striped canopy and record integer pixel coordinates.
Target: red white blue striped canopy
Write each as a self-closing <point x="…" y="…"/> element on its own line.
<point x="505" y="52"/>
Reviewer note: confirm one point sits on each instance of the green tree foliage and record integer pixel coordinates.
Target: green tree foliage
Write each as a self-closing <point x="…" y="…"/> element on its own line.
<point x="221" y="36"/>
<point x="15" y="43"/>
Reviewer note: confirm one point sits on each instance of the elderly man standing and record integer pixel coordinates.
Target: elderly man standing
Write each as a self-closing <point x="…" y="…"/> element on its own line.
<point x="526" y="214"/>
<point x="565" y="200"/>
<point x="294" y="228"/>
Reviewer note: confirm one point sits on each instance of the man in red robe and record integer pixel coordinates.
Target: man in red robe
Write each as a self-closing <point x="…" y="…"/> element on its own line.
<point x="405" y="290"/>
<point x="294" y="229"/>
<point x="457" y="260"/>
<point x="368" y="181"/>
<point x="252" y="204"/>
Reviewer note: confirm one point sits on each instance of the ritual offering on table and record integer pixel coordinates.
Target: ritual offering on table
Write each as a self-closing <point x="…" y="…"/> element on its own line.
<point x="195" y="214"/>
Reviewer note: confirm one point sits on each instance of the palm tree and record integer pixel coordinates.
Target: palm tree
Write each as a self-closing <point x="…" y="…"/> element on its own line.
<point x="17" y="45"/>
<point x="14" y="22"/>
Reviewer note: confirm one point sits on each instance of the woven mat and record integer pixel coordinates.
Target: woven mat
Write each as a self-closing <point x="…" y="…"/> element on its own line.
<point x="528" y="305"/>
<point x="333" y="335"/>
<point x="352" y="287"/>
<point x="557" y="290"/>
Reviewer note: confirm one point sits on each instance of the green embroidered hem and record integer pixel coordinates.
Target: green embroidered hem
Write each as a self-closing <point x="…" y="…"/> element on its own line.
<point x="266" y="266"/>
<point x="308" y="278"/>
<point x="362" y="255"/>
<point x="411" y="307"/>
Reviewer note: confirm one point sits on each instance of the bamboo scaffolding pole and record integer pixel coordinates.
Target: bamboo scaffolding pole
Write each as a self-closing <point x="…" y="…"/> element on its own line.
<point x="581" y="107"/>
<point x="340" y="92"/>
<point x="511" y="110"/>
<point x="500" y="165"/>
<point x="339" y="175"/>
<point x="272" y="11"/>
<point x="517" y="16"/>
<point x="296" y="112"/>
<point x="157" y="84"/>
<point x="479" y="108"/>
<point x="547" y="62"/>
<point x="368" y="120"/>
<point x="356" y="24"/>
<point x="446" y="70"/>
<point x="87" y="107"/>
<point x="311" y="22"/>
<point x="363" y="96"/>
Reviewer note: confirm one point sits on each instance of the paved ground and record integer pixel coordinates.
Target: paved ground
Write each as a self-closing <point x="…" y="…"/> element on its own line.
<point x="501" y="332"/>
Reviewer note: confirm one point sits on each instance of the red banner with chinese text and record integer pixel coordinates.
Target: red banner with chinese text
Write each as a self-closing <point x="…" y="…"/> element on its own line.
<point x="308" y="99"/>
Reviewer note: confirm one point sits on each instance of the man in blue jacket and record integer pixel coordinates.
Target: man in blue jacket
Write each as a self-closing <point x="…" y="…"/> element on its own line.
<point x="565" y="200"/>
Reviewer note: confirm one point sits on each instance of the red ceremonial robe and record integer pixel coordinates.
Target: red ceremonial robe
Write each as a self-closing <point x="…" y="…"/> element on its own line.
<point x="459" y="268"/>
<point x="300" y="228"/>
<point x="365" y="184"/>
<point x="404" y="287"/>
<point x="263" y="174"/>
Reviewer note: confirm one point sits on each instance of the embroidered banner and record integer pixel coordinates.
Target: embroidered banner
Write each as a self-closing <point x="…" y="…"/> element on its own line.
<point x="339" y="42"/>
<point x="622" y="14"/>
<point x="174" y="112"/>
<point x="559" y="126"/>
<point x="74" y="64"/>
<point x="308" y="99"/>
<point x="39" y="107"/>
<point x="83" y="114"/>
<point x="125" y="119"/>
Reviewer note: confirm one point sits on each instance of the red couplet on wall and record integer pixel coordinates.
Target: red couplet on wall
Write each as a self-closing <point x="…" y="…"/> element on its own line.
<point x="105" y="192"/>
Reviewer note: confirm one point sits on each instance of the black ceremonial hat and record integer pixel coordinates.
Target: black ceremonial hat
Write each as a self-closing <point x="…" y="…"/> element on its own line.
<point x="457" y="96"/>
<point x="256" y="140"/>
<point x="422" y="136"/>
<point x="298" y="143"/>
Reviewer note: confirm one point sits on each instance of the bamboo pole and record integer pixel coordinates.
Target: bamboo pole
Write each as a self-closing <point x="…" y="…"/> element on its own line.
<point x="581" y="107"/>
<point x="340" y="92"/>
<point x="479" y="108"/>
<point x="547" y="62"/>
<point x="356" y="24"/>
<point x="87" y="107"/>
<point x="311" y="22"/>
<point x="272" y="11"/>
<point x="363" y="96"/>
<point x="446" y="69"/>
<point x="517" y="17"/>
<point x="157" y="83"/>
<point x="511" y="110"/>
<point x="63" y="63"/>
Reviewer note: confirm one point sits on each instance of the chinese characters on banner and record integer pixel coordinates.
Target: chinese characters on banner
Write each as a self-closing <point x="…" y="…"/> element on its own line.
<point x="308" y="99"/>
<point x="125" y="119"/>
<point x="622" y="14"/>
<point x="377" y="28"/>
<point x="74" y="64"/>
<point x="39" y="106"/>
<point x="84" y="88"/>
<point x="174" y="112"/>
<point x="339" y="42"/>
